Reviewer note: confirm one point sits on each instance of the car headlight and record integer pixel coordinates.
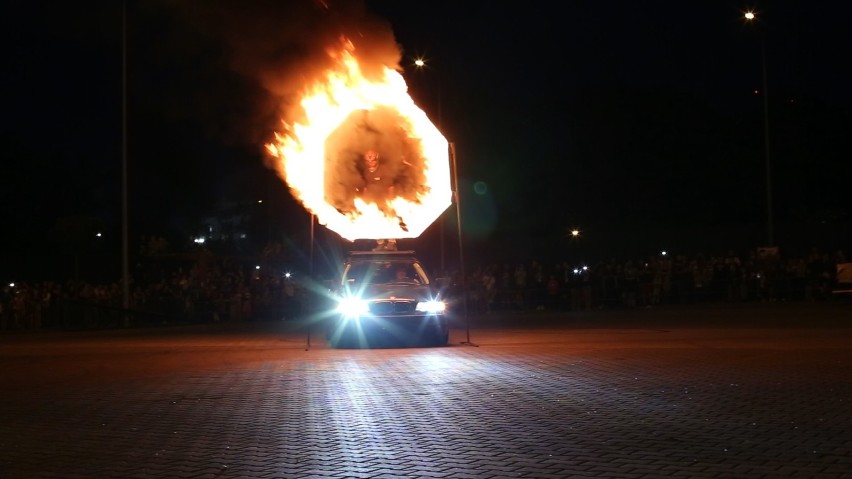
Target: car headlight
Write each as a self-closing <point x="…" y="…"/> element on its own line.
<point x="431" y="306"/>
<point x="352" y="307"/>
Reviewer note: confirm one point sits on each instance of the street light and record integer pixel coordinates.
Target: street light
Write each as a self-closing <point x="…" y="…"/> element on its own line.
<point x="125" y="220"/>
<point x="420" y="63"/>
<point x="751" y="17"/>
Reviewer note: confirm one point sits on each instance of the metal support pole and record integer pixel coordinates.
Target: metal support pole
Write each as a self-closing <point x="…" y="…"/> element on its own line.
<point x="442" y="219"/>
<point x="310" y="304"/>
<point x="457" y="199"/>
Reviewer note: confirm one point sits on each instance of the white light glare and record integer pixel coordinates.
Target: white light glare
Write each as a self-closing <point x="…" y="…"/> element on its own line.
<point x="350" y="307"/>
<point x="431" y="306"/>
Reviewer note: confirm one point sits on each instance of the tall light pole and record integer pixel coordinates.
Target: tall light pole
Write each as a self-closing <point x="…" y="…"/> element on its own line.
<point x="420" y="64"/>
<point x="125" y="251"/>
<point x="751" y="17"/>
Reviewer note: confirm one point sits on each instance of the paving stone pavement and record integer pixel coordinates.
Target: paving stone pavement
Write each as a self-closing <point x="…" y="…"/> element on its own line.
<point x="627" y="395"/>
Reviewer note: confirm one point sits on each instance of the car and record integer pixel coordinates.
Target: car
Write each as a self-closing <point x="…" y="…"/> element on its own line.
<point x="843" y="279"/>
<point x="386" y="298"/>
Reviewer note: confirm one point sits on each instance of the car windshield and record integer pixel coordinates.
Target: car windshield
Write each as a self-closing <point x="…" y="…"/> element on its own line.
<point x="385" y="272"/>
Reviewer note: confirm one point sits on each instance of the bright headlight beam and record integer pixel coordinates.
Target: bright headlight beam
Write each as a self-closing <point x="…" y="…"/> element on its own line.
<point x="352" y="307"/>
<point x="431" y="306"/>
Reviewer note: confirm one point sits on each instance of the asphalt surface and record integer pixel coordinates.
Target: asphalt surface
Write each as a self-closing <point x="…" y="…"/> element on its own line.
<point x="704" y="391"/>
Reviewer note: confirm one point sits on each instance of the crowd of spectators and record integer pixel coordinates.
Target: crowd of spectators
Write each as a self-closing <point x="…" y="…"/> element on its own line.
<point x="653" y="281"/>
<point x="221" y="290"/>
<point x="207" y="291"/>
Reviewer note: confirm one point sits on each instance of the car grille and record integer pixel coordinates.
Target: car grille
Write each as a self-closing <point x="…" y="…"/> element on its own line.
<point x="388" y="308"/>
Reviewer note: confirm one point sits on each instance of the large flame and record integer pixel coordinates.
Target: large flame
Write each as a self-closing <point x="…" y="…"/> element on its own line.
<point x="344" y="115"/>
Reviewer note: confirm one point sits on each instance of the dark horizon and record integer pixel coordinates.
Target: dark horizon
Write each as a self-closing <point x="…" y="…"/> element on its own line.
<point x="640" y="125"/>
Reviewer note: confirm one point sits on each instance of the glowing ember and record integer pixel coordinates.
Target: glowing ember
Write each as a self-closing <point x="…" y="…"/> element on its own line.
<point x="321" y="156"/>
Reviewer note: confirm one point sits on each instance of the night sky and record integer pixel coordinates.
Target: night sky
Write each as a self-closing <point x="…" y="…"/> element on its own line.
<point x="640" y="124"/>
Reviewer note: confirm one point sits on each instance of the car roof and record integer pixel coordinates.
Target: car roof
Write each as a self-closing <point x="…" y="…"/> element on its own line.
<point x="381" y="255"/>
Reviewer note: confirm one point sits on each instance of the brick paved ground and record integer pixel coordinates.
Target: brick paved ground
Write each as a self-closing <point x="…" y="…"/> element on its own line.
<point x="725" y="392"/>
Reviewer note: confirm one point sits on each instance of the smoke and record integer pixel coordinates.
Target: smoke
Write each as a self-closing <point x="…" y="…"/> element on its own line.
<point x="283" y="45"/>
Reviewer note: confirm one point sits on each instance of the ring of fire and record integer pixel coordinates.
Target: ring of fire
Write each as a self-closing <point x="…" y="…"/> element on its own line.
<point x="320" y="156"/>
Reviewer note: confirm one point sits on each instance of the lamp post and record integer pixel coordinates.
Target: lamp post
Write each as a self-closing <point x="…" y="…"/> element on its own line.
<point x="751" y="17"/>
<point x="420" y="64"/>
<point x="125" y="220"/>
